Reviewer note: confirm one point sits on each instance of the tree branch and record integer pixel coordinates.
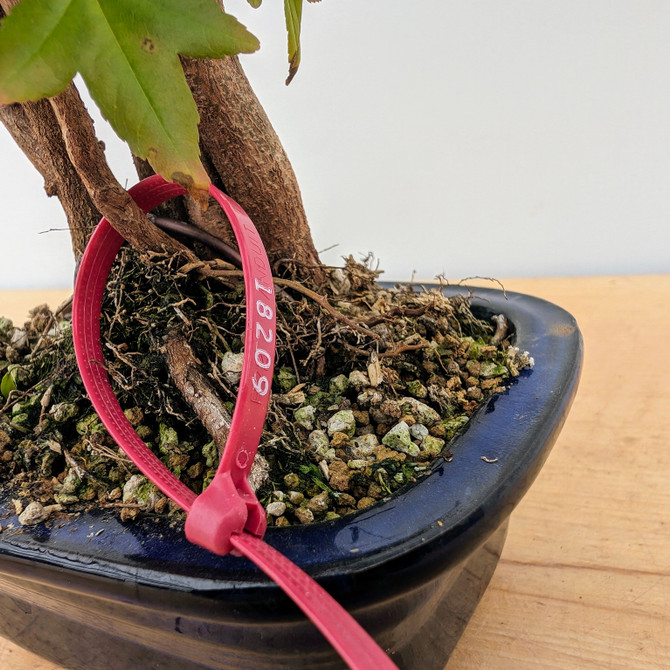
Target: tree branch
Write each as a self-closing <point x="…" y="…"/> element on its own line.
<point x="185" y="370"/>
<point x="111" y="199"/>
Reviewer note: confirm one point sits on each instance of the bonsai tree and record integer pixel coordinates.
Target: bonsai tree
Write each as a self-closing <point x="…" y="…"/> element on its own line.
<point x="159" y="73"/>
<point x="358" y="365"/>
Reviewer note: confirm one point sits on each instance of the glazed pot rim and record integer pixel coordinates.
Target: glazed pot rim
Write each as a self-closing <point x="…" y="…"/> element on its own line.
<point x="451" y="511"/>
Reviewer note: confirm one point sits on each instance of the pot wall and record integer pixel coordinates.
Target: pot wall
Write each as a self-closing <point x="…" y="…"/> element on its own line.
<point x="131" y="627"/>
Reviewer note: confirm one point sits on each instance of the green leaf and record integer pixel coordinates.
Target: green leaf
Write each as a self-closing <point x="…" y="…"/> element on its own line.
<point x="293" y="13"/>
<point x="255" y="3"/>
<point x="9" y="379"/>
<point x="127" y="51"/>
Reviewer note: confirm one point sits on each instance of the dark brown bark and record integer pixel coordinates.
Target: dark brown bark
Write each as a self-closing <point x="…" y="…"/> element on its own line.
<point x="246" y="159"/>
<point x="88" y="158"/>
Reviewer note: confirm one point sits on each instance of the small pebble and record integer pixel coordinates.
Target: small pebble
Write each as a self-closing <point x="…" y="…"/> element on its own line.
<point x="161" y="505"/>
<point x="417" y="389"/>
<point x="340" y="475"/>
<point x="318" y="440"/>
<point x="365" y="502"/>
<point x="375" y="491"/>
<point x="342" y="422"/>
<point x="474" y="368"/>
<point x="291" y="480"/>
<point x="338" y="385"/>
<point x="364" y="446"/>
<point x="231" y="366"/>
<point x="295" y="497"/>
<point x="362" y="418"/>
<point x="129" y="513"/>
<point x="432" y="446"/>
<point x="418" y="431"/>
<point x="35" y="513"/>
<point x="391" y="408"/>
<point x="358" y="379"/>
<point x="339" y="440"/>
<point x="276" y="508"/>
<point x="420" y="411"/>
<point x="399" y="439"/>
<point x="134" y="415"/>
<point x="369" y="398"/>
<point x="304" y="515"/>
<point x="319" y="503"/>
<point x="474" y="393"/>
<point x="64" y="411"/>
<point x="304" y="417"/>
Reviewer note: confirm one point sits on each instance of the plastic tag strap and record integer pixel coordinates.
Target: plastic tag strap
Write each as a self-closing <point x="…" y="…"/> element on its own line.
<point x="230" y="505"/>
<point x="227" y="515"/>
<point x="88" y="294"/>
<point x="345" y="634"/>
<point x="215" y="514"/>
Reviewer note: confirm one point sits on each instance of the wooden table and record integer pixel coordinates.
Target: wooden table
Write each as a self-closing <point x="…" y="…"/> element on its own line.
<point x="584" y="579"/>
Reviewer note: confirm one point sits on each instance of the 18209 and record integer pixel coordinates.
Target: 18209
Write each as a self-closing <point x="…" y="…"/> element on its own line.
<point x="264" y="336"/>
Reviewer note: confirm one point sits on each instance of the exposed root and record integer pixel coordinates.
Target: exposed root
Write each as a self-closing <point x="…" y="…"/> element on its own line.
<point x="300" y="288"/>
<point x="502" y="328"/>
<point x="192" y="382"/>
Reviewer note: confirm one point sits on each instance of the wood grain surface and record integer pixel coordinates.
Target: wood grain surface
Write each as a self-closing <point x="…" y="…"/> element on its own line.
<point x="584" y="579"/>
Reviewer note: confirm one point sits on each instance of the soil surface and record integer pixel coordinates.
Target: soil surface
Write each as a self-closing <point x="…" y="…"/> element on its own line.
<point x="370" y="386"/>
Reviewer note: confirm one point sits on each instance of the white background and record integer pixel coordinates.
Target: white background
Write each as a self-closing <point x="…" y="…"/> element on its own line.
<point x="483" y="137"/>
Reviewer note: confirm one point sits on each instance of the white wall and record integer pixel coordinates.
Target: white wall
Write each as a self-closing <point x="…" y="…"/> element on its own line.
<point x="536" y="133"/>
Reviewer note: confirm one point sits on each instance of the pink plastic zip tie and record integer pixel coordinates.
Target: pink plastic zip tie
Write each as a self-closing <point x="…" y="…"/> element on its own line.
<point x="226" y="517"/>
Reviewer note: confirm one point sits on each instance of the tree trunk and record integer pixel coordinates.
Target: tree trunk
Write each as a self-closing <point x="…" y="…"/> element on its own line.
<point x="239" y="148"/>
<point x="247" y="160"/>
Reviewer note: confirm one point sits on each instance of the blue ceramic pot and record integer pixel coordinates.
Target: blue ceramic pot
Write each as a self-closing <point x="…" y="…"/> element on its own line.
<point x="98" y="594"/>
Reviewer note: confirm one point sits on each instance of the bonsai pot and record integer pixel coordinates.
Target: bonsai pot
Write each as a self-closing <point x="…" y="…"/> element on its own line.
<point x="97" y="593"/>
